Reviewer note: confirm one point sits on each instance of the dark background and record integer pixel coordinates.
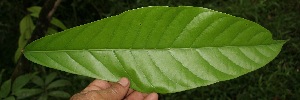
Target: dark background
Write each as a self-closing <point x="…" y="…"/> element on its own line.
<point x="278" y="80"/>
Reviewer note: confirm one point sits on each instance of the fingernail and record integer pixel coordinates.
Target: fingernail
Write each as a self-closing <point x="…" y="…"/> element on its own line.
<point x="124" y="81"/>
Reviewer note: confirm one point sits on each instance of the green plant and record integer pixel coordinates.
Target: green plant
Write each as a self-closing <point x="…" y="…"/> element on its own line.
<point x="27" y="26"/>
<point x="160" y="49"/>
<point x="15" y="90"/>
<point x="48" y="85"/>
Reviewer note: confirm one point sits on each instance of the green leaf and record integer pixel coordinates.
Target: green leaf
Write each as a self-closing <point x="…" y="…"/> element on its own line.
<point x="10" y="98"/>
<point x="18" y="54"/>
<point x="38" y="81"/>
<point x="5" y="89"/>
<point x="43" y="97"/>
<point x="50" y="78"/>
<point x="58" y="83"/>
<point x="20" y="82"/>
<point x="58" y="23"/>
<point x="51" y="31"/>
<point x="60" y="94"/>
<point x="25" y="93"/>
<point x="160" y="49"/>
<point x="35" y="11"/>
<point x="26" y="29"/>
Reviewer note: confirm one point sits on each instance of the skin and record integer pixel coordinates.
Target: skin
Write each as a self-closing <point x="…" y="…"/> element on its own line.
<point x="104" y="90"/>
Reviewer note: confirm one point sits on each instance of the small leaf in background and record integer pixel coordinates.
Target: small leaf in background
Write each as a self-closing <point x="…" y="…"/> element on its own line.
<point x="5" y="89"/>
<point x="38" y="81"/>
<point x="10" y="98"/>
<point x="35" y="11"/>
<point x="160" y="49"/>
<point x="58" y="23"/>
<point x="51" y="31"/>
<point x="25" y="93"/>
<point x="50" y="78"/>
<point x="20" y="82"/>
<point x="43" y="97"/>
<point x="58" y="83"/>
<point x="26" y="29"/>
<point x="17" y="54"/>
<point x="60" y="94"/>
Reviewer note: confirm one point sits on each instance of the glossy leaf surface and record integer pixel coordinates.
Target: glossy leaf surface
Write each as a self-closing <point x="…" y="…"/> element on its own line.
<point x="160" y="49"/>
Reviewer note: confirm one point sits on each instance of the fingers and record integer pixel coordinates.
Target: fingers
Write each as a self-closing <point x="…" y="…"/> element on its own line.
<point x="103" y="90"/>
<point x="152" y="96"/>
<point x="142" y="96"/>
<point x="96" y="85"/>
<point x="129" y="92"/>
<point x="117" y="91"/>
<point x="136" y="96"/>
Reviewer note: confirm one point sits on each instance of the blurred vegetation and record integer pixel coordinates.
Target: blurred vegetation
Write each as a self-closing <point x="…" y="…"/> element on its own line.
<point x="278" y="80"/>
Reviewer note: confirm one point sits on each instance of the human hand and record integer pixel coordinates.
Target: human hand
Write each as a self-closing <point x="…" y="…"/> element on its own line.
<point x="103" y="90"/>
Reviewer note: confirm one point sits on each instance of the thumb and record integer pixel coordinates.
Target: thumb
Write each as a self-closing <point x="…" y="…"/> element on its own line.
<point x="117" y="91"/>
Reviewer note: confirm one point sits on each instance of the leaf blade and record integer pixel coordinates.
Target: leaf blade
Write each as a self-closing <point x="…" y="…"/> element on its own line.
<point x="166" y="53"/>
<point x="58" y="83"/>
<point x="26" y="28"/>
<point x="60" y="94"/>
<point x="20" y="82"/>
<point x="5" y="88"/>
<point x="25" y="93"/>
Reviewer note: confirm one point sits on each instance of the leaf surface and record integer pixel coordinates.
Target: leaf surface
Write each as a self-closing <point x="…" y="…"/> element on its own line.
<point x="50" y="78"/>
<point x="160" y="49"/>
<point x="37" y="80"/>
<point x="10" y="98"/>
<point x="5" y="89"/>
<point x="58" y="23"/>
<point x="26" y="28"/>
<point x="58" y="83"/>
<point x="25" y="93"/>
<point x="20" y="82"/>
<point x="60" y="94"/>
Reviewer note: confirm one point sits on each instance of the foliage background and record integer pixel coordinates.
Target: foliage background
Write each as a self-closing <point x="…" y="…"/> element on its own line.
<point x="278" y="80"/>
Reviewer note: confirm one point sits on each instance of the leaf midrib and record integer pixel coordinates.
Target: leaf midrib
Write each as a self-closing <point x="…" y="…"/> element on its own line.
<point x="159" y="49"/>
